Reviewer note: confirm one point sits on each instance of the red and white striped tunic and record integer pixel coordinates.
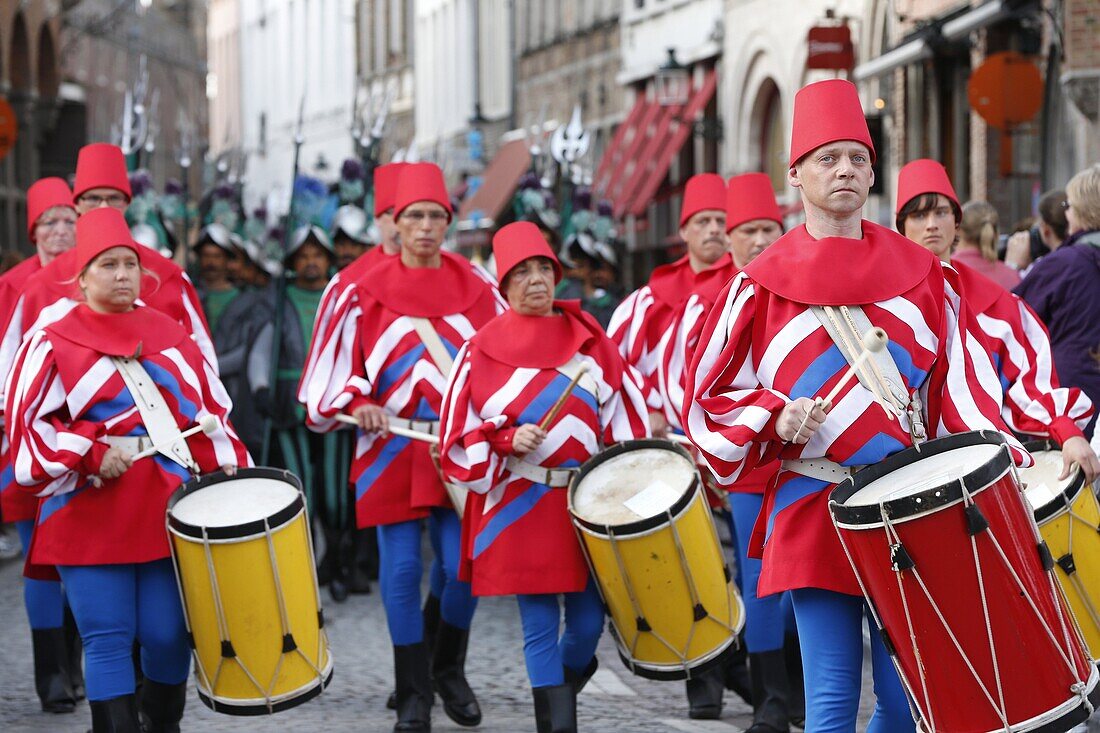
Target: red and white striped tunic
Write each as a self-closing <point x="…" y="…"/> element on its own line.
<point x="1035" y="403"/>
<point x="373" y="355"/>
<point x="517" y="532"/>
<point x="760" y="349"/>
<point x="65" y="394"/>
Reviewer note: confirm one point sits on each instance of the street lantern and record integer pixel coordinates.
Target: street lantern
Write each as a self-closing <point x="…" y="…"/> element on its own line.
<point x="672" y="82"/>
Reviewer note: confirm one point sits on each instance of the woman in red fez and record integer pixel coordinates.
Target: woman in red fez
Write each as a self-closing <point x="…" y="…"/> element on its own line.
<point x="74" y="428"/>
<point x="51" y="226"/>
<point x="518" y="538"/>
<point x="1016" y="339"/>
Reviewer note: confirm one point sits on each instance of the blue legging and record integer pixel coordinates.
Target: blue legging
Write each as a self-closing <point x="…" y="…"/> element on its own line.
<point x="830" y="629"/>
<point x="437" y="577"/>
<point x="400" y="570"/>
<point x="546" y="654"/>
<point x="115" y="604"/>
<point x="769" y="619"/>
<point x="43" y="599"/>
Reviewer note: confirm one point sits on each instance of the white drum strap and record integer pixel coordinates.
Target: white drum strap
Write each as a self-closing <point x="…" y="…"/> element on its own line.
<point x="587" y="382"/>
<point x="555" y="478"/>
<point x="159" y="421"/>
<point x="879" y="375"/>
<point x="434" y="345"/>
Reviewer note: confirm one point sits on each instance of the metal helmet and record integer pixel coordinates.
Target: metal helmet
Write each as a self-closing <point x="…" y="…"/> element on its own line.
<point x="351" y="221"/>
<point x="303" y="234"/>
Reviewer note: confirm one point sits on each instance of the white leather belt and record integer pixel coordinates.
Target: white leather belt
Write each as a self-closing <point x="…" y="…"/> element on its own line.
<point x="555" y="478"/>
<point x="424" y="426"/>
<point x="821" y="469"/>
<point x="132" y="444"/>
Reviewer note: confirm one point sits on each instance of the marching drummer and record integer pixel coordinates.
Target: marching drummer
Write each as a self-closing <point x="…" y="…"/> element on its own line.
<point x="87" y="393"/>
<point x="753" y="221"/>
<point x="768" y="349"/>
<point x="1035" y="403"/>
<point x="498" y="442"/>
<point x="392" y="342"/>
<point x="51" y="225"/>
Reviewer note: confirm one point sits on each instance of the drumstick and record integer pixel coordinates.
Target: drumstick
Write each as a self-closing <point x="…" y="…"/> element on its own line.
<point x="874" y="341"/>
<point x="561" y="400"/>
<point x="677" y="438"/>
<point x="403" y="432"/>
<point x="206" y="425"/>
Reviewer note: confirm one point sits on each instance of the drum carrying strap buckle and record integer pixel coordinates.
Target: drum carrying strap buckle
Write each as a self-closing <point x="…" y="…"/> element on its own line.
<point x="555" y="478"/>
<point x="424" y="426"/>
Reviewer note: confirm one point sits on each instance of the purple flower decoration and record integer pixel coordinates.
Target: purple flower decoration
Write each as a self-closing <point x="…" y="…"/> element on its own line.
<point x="173" y="187"/>
<point x="582" y="198"/>
<point x="604" y="208"/>
<point x="529" y="180"/>
<point x="140" y="182"/>
<point x="352" y="170"/>
<point x="223" y="191"/>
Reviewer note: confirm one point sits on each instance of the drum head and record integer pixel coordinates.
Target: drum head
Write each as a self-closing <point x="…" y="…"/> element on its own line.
<point x="929" y="473"/>
<point x="1044" y="492"/>
<point x="632" y="486"/>
<point x="226" y="506"/>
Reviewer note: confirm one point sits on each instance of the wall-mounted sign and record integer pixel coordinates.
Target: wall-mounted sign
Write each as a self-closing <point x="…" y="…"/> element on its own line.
<point x="830" y="47"/>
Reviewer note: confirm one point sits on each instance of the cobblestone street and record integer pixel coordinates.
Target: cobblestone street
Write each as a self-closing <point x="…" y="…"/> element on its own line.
<point x="614" y="701"/>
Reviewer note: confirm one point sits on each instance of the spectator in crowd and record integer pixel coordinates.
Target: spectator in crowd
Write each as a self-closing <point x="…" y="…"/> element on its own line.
<point x="977" y="245"/>
<point x="1046" y="236"/>
<point x="1064" y="288"/>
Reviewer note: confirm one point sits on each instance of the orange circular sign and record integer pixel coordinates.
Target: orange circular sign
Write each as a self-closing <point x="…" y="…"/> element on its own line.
<point x="9" y="128"/>
<point x="1006" y="90"/>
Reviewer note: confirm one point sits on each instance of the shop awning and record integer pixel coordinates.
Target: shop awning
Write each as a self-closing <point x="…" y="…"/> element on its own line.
<point x="620" y="162"/>
<point x="483" y="210"/>
<point x="674" y="130"/>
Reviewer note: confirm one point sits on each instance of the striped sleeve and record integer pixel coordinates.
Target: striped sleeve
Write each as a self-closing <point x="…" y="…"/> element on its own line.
<point x="196" y="322"/>
<point x="627" y="329"/>
<point x="674" y="353"/>
<point x="467" y="456"/>
<point x="46" y="445"/>
<point x="731" y="416"/>
<point x="963" y="391"/>
<point x="338" y="382"/>
<point x="1035" y="402"/>
<point x="322" y="325"/>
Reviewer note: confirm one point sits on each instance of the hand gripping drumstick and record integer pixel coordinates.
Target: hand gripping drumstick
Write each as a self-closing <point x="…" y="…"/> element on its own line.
<point x="561" y="400"/>
<point x="403" y="432"/>
<point x="874" y="341"/>
<point x="206" y="425"/>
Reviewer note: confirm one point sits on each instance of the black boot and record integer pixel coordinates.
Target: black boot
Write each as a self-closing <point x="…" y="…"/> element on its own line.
<point x="117" y="715"/>
<point x="796" y="706"/>
<point x="162" y="707"/>
<point x="431" y="624"/>
<point x="580" y="680"/>
<point x="555" y="709"/>
<point x="704" y="693"/>
<point x="74" y="656"/>
<point x="50" y="670"/>
<point x="449" y="675"/>
<point x="770" y="689"/>
<point x="414" y="688"/>
<point x="737" y="678"/>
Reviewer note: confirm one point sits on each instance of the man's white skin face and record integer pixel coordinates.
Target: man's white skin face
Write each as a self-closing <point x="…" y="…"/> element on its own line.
<point x="749" y="239"/>
<point x="834" y="180"/>
<point x="705" y="236"/>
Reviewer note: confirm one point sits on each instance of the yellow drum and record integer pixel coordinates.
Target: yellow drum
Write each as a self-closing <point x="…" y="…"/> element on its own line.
<point x="651" y="544"/>
<point x="244" y="562"/>
<point x="1069" y="521"/>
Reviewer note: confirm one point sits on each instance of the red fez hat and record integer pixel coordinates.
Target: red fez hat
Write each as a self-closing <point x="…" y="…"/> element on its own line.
<point x="385" y="186"/>
<point x="516" y="242"/>
<point x="42" y="196"/>
<point x="750" y="197"/>
<point x="101" y="165"/>
<point x="703" y="192"/>
<point x="827" y="112"/>
<point x="420" y="182"/>
<point x="99" y="230"/>
<point x="923" y="176"/>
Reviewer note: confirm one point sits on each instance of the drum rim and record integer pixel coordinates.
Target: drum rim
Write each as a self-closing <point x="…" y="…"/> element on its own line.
<point x="245" y="529"/>
<point x="926" y="501"/>
<point x="1064" y="500"/>
<point x="296" y="697"/>
<point x="642" y="525"/>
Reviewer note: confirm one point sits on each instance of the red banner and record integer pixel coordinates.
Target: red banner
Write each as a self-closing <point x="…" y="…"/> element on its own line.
<point x="830" y="47"/>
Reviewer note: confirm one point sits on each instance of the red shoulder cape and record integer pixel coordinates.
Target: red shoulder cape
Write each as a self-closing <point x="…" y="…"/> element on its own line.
<point x="538" y="342"/>
<point x="141" y="331"/>
<point x="427" y="292"/>
<point x="841" y="271"/>
<point x="709" y="282"/>
<point x="978" y="291"/>
<point x="59" y="277"/>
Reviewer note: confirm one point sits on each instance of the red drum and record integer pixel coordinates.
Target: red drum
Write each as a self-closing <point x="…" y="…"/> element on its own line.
<point x="952" y="565"/>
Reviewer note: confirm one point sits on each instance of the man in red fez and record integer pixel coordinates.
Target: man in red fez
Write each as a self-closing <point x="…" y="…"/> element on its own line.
<point x="765" y="354"/>
<point x="642" y="319"/>
<point x="389" y="351"/>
